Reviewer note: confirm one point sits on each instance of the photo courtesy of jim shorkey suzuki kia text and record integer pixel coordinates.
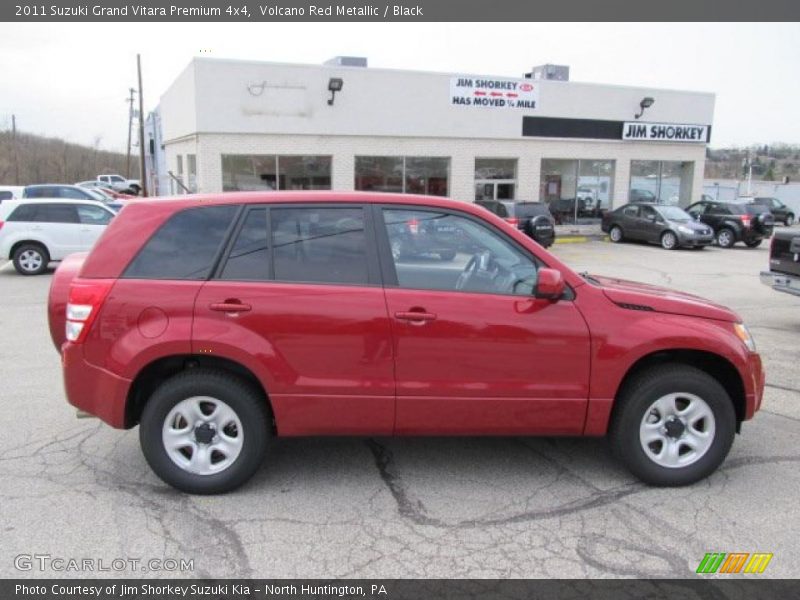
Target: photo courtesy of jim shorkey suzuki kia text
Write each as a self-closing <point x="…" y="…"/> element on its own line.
<point x="196" y="590"/>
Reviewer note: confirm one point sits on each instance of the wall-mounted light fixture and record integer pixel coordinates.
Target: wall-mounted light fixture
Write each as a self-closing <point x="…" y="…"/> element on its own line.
<point x="335" y="84"/>
<point x="646" y="102"/>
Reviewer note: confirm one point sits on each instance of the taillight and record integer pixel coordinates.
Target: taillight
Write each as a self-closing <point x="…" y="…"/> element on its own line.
<point x="746" y="220"/>
<point x="86" y="296"/>
<point x="1" y="224"/>
<point x="513" y="220"/>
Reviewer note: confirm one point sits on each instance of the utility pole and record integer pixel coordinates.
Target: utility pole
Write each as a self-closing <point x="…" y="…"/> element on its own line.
<point x="129" y="100"/>
<point x="14" y="142"/>
<point x="142" y="173"/>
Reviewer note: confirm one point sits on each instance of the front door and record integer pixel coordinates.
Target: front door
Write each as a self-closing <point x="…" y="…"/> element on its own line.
<point x="94" y="220"/>
<point x="474" y="351"/>
<point x="304" y="306"/>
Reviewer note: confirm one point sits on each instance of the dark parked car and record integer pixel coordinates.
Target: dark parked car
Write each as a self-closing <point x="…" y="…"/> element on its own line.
<point x="532" y="218"/>
<point x="784" y="263"/>
<point x="735" y="222"/>
<point x="670" y="226"/>
<point x="563" y="209"/>
<point x="782" y="213"/>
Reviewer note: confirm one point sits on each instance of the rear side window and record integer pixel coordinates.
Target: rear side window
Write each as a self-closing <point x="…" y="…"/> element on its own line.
<point x="531" y="210"/>
<point x="185" y="246"/>
<point x="249" y="256"/>
<point x="631" y="211"/>
<point x="38" y="192"/>
<point x="56" y="213"/>
<point x="756" y="209"/>
<point x="319" y="245"/>
<point x="24" y="213"/>
<point x="6" y="196"/>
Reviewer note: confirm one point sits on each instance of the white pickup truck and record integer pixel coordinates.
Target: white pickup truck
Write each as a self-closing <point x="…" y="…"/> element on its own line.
<point x="119" y="183"/>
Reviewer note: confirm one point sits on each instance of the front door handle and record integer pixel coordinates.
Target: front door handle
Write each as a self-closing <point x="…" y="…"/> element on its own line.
<point x="415" y="316"/>
<point x="230" y="307"/>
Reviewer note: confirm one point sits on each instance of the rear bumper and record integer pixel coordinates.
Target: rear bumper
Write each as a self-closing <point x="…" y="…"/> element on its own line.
<point x="779" y="282"/>
<point x="94" y="390"/>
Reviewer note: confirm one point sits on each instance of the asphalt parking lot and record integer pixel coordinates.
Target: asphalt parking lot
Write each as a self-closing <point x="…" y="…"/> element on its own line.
<point x="507" y="507"/>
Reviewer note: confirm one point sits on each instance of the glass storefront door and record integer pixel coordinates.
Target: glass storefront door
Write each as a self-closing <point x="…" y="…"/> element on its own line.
<point x="495" y="178"/>
<point x="577" y="191"/>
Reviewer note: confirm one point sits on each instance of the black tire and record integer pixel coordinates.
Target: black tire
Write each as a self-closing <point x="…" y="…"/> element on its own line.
<point x="669" y="241"/>
<point x="615" y="234"/>
<point x="753" y="243"/>
<point x="634" y="403"/>
<point x="447" y="255"/>
<point x="726" y="237"/>
<point x="789" y="220"/>
<point x="135" y="189"/>
<point x="25" y="258"/>
<point x="248" y="404"/>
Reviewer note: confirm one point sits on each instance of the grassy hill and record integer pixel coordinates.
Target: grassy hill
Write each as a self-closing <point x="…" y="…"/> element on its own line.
<point x="52" y="160"/>
<point x="770" y="163"/>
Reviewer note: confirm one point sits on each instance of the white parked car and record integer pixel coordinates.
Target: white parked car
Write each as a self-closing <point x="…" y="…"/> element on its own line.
<point x="119" y="183"/>
<point x="35" y="232"/>
<point x="9" y="192"/>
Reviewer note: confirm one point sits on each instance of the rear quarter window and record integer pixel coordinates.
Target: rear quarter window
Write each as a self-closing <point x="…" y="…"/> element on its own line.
<point x="22" y="214"/>
<point x="185" y="247"/>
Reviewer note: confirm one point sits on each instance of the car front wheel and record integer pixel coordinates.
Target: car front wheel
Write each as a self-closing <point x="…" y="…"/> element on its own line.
<point x="669" y="241"/>
<point x="726" y="238"/>
<point x="789" y="220"/>
<point x="205" y="431"/>
<point x="673" y="425"/>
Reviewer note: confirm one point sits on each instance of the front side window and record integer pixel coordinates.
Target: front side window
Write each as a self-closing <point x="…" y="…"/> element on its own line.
<point x="447" y="252"/>
<point x="93" y="215"/>
<point x="319" y="245"/>
<point x="185" y="246"/>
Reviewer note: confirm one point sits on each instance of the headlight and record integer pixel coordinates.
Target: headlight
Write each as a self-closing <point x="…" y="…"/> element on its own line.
<point x="685" y="230"/>
<point x="744" y="334"/>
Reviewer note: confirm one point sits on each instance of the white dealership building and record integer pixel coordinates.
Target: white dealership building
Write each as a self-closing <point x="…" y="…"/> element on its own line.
<point x="247" y="125"/>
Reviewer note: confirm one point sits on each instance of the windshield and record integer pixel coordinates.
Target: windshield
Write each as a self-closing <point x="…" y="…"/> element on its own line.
<point x="673" y="213"/>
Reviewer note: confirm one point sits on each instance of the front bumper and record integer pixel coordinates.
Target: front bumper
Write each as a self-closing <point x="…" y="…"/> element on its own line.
<point x="779" y="282"/>
<point x="695" y="240"/>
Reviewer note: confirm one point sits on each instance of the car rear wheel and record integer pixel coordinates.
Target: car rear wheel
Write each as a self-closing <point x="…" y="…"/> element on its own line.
<point x="205" y="431"/>
<point x="673" y="425"/>
<point x="31" y="259"/>
<point x="753" y="243"/>
<point x="726" y="238"/>
<point x="615" y="234"/>
<point x="669" y="241"/>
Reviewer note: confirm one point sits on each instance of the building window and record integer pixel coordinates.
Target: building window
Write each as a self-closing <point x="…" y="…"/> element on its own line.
<point x="272" y="172"/>
<point x="495" y="178"/>
<point x="177" y="184"/>
<point x="665" y="182"/>
<point x="403" y="174"/>
<point x="577" y="190"/>
<point x="191" y="172"/>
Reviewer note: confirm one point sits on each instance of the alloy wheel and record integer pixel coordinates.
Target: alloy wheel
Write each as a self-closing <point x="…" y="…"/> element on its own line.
<point x="677" y="430"/>
<point x="31" y="260"/>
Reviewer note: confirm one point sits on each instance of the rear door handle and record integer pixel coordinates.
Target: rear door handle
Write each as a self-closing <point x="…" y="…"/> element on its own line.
<point x="230" y="307"/>
<point x="415" y="316"/>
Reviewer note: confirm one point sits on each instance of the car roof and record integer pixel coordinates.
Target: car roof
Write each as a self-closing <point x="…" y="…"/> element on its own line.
<point x="306" y="197"/>
<point x="20" y="201"/>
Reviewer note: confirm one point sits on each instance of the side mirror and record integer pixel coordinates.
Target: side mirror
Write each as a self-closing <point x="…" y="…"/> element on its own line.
<point x="550" y="285"/>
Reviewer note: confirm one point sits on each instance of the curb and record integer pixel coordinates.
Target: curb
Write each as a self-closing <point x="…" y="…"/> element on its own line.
<point x="580" y="239"/>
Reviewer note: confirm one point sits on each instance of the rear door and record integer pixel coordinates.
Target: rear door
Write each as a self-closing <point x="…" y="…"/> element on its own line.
<point x="630" y="222"/>
<point x="474" y="352"/>
<point x="59" y="228"/>
<point x="298" y="298"/>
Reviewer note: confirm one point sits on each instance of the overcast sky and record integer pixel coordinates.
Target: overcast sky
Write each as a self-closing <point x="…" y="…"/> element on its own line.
<point x="71" y="80"/>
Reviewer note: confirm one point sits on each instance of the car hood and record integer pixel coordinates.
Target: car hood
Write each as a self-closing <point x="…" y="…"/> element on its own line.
<point x="693" y="225"/>
<point x="642" y="296"/>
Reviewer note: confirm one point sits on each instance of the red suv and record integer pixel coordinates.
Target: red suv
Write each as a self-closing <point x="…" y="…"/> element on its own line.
<point x="217" y="322"/>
